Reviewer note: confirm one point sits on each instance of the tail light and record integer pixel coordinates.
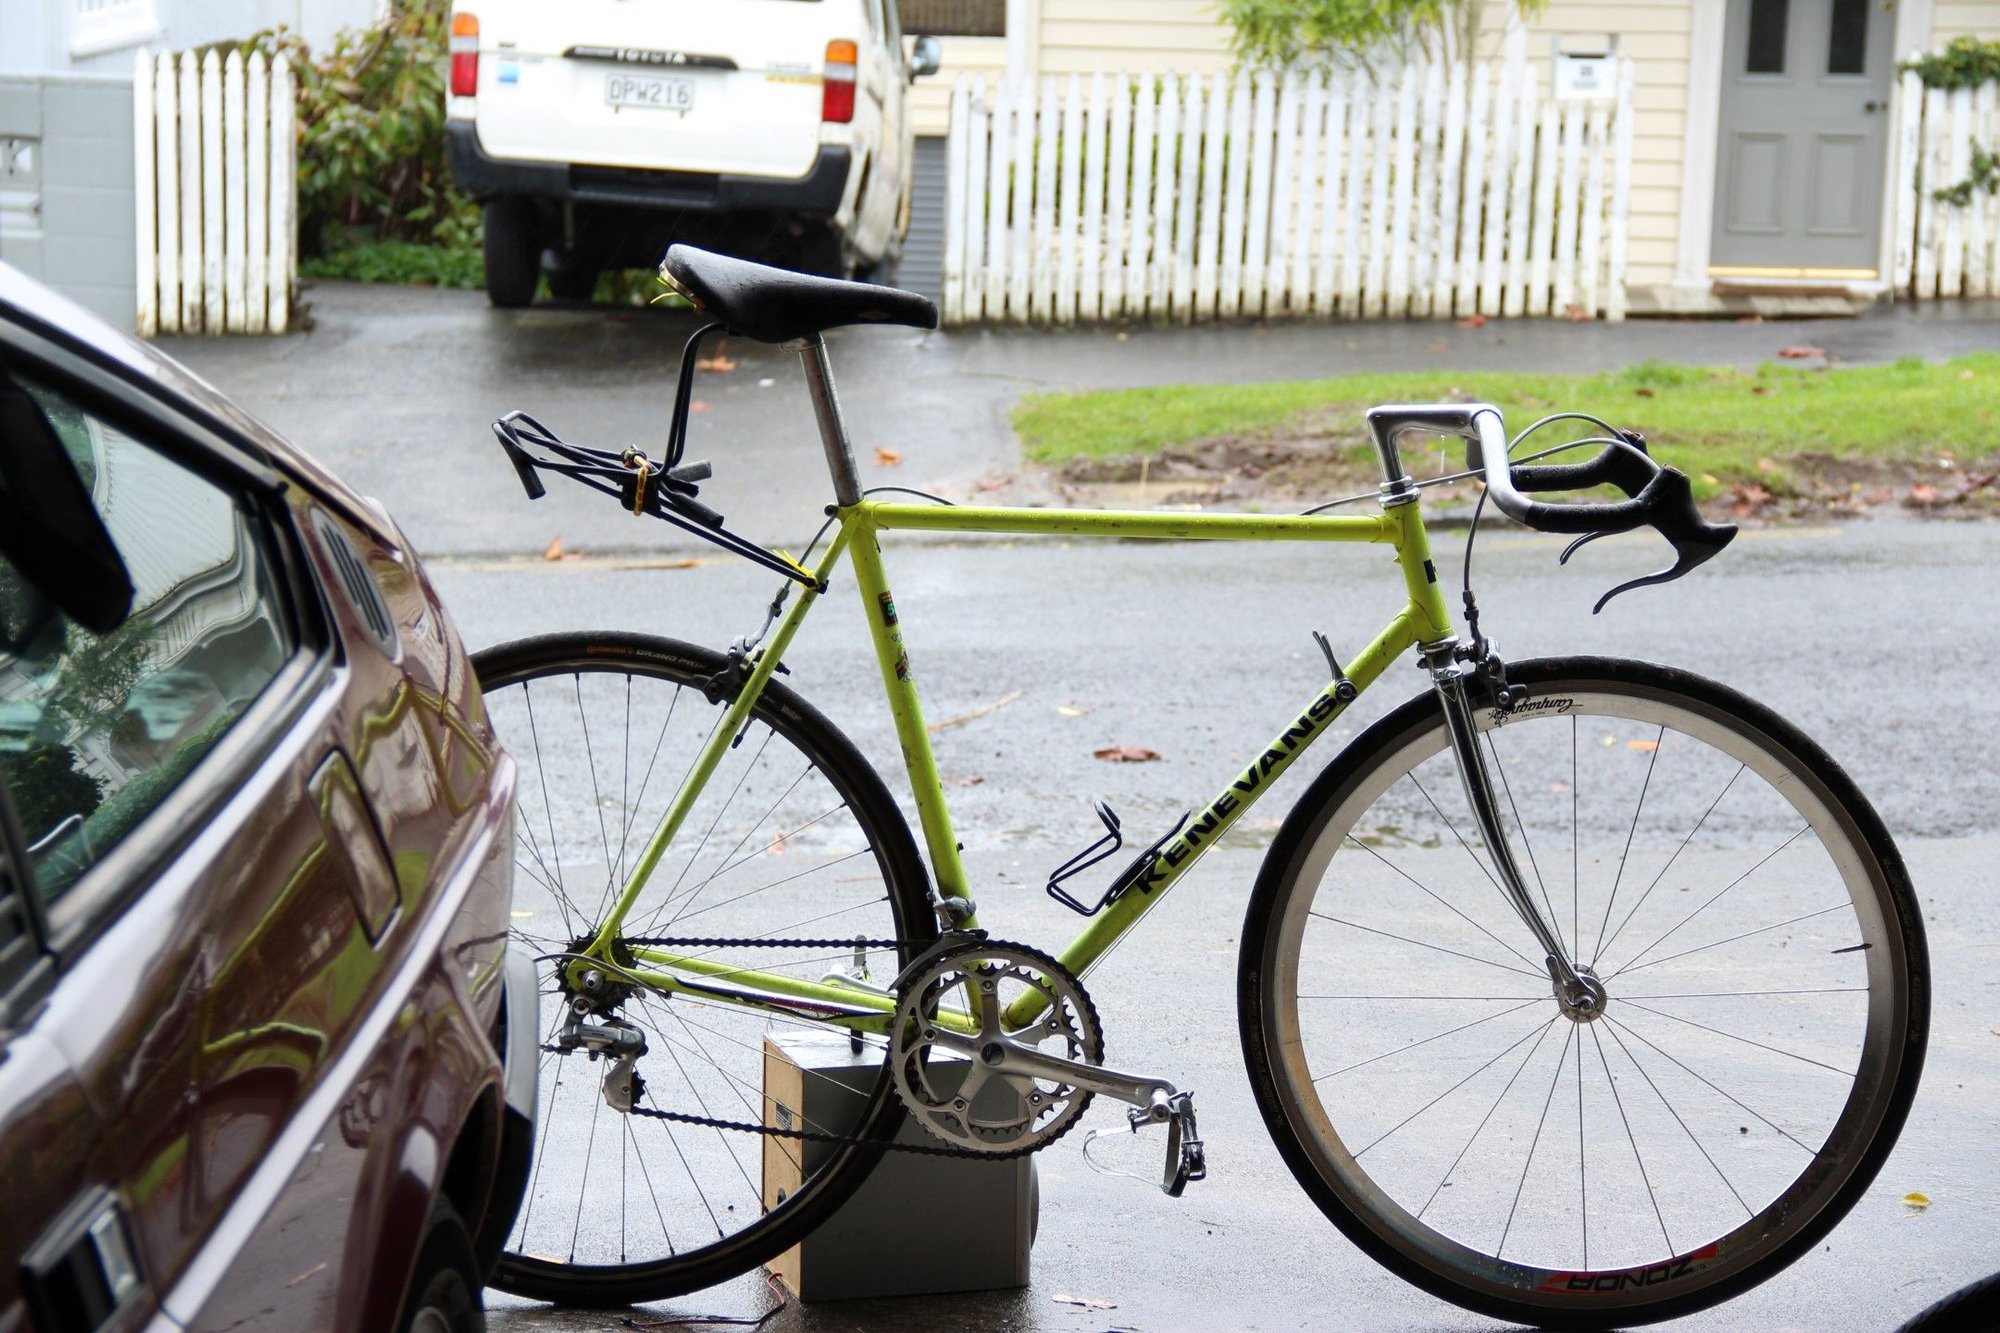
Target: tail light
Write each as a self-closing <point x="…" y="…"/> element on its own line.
<point x="464" y="55"/>
<point x="836" y="104"/>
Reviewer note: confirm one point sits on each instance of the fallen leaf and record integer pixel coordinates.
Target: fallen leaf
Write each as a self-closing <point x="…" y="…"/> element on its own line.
<point x="1767" y="465"/>
<point x="1642" y="392"/>
<point x="777" y="848"/>
<point x="1475" y="320"/>
<point x="1437" y="347"/>
<point x="1067" y="711"/>
<point x="887" y="457"/>
<point x="970" y="780"/>
<point x="990" y="483"/>
<point x="554" y="550"/>
<point x="698" y="405"/>
<point x="1916" y="1201"/>
<point x="1800" y="353"/>
<point x="1557" y="788"/>
<point x="1965" y="374"/>
<point x="717" y="362"/>
<point x="1922" y="495"/>
<point x="1125" y="754"/>
<point x="1576" y="314"/>
<point x="1645" y="747"/>
<point x="1761" y="390"/>
<point x="1085" y="1302"/>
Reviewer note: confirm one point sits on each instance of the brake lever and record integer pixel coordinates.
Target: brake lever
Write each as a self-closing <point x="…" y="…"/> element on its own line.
<point x="1695" y="540"/>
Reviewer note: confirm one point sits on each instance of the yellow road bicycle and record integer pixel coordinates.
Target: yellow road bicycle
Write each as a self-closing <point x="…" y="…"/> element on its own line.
<point x="1578" y="991"/>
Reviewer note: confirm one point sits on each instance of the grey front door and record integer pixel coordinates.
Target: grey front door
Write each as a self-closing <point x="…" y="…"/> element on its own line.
<point x="1804" y="138"/>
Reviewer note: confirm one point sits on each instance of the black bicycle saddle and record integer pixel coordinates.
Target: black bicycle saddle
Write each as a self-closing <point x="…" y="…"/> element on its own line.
<point x="775" y="305"/>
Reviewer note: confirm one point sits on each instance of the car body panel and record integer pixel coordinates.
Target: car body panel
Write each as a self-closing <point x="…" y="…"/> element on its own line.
<point x="274" y="1014"/>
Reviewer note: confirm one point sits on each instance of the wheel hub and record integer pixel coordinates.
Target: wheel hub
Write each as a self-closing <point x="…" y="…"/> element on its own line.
<point x="1586" y="1002"/>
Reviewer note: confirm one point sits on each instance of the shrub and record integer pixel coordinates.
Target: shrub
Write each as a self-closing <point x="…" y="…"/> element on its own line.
<point x="371" y="132"/>
<point x="1966" y="63"/>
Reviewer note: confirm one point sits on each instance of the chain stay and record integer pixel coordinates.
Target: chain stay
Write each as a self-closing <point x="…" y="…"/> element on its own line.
<point x="805" y="1135"/>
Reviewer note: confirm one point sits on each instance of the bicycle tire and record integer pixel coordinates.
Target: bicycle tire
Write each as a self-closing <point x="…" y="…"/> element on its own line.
<point x="565" y="698"/>
<point x="1369" y="1092"/>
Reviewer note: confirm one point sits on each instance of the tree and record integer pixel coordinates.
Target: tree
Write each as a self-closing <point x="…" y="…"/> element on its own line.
<point x="1278" y="33"/>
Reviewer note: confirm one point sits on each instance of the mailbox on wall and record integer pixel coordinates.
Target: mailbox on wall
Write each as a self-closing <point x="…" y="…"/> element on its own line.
<point x="1586" y="76"/>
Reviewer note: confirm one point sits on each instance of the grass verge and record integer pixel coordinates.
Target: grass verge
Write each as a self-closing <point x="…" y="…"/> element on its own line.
<point x="1722" y="425"/>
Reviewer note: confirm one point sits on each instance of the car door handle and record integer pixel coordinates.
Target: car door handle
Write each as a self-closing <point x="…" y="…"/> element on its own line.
<point x="83" y="1271"/>
<point x="1870" y="108"/>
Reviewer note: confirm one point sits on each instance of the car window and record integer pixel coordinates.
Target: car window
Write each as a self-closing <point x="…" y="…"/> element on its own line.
<point x="97" y="728"/>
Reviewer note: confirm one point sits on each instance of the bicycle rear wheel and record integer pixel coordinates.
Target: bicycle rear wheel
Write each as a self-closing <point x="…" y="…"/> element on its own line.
<point x="793" y="844"/>
<point x="1767" y="999"/>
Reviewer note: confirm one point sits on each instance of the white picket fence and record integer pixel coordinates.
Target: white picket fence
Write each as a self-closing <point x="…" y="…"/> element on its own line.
<point x="1944" y="250"/>
<point x="216" y="193"/>
<point x="1442" y="193"/>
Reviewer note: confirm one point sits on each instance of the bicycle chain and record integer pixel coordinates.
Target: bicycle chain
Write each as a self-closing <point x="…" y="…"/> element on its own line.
<point x="804" y="1135"/>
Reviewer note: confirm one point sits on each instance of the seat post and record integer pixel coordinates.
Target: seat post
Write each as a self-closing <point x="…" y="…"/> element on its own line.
<point x="832" y="432"/>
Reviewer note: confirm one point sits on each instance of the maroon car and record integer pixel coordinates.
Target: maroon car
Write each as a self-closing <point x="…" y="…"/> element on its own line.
<point x="257" y="1067"/>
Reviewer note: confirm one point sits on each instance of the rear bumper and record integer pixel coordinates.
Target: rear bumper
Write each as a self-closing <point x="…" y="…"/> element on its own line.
<point x="817" y="194"/>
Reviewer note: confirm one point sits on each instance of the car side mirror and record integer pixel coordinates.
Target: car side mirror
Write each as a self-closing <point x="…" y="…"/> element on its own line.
<point x="926" y="57"/>
<point x="49" y="530"/>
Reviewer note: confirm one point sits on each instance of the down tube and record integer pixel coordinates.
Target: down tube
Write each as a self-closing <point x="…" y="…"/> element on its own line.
<point x="1214" y="820"/>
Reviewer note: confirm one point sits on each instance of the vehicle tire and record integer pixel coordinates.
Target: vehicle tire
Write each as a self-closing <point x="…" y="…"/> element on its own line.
<point x="1973" y="1308"/>
<point x="444" y="1289"/>
<point x="513" y="249"/>
<point x="793" y="837"/>
<point x="1768" y="1006"/>
<point x="574" y="278"/>
<point x="825" y="252"/>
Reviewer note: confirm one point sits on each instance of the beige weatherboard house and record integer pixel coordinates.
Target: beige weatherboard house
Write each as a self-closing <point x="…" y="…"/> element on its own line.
<point x="1762" y="138"/>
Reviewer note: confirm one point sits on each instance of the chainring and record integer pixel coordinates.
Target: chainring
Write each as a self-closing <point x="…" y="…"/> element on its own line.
<point x="959" y="1100"/>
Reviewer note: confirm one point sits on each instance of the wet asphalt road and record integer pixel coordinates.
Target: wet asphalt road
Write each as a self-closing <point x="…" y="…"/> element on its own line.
<point x="1819" y="623"/>
<point x="394" y="388"/>
<point x="1860" y="634"/>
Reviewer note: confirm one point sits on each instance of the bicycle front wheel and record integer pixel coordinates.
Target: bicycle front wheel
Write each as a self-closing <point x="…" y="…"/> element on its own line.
<point x="793" y="863"/>
<point x="1760" y="1037"/>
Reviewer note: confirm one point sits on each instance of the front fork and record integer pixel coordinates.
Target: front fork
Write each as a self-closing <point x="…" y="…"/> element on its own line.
<point x="1454" y="671"/>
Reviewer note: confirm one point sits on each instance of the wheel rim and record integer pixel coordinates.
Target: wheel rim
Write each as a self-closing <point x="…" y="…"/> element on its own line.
<point x="778" y="853"/>
<point x="1449" y="1125"/>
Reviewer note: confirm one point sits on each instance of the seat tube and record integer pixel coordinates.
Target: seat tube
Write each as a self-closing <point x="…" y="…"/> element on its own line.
<point x="832" y="431"/>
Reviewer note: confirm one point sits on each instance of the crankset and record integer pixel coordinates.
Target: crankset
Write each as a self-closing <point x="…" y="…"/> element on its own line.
<point x="997" y="1049"/>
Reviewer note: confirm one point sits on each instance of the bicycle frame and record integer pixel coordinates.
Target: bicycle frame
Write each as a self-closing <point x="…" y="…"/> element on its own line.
<point x="1423" y="620"/>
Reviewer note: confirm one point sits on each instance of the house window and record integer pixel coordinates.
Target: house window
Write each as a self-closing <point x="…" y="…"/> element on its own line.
<point x="954" y="18"/>
<point x="107" y="25"/>
<point x="1847" y="41"/>
<point x="1767" y="37"/>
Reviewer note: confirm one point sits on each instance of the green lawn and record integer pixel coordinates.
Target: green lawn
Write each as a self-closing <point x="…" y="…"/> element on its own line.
<point x="1717" y="423"/>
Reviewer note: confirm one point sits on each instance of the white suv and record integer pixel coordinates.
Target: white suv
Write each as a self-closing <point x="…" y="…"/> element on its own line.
<point x="596" y="132"/>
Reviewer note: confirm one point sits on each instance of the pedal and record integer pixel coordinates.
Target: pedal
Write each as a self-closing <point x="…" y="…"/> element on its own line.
<point x="1185" y="1159"/>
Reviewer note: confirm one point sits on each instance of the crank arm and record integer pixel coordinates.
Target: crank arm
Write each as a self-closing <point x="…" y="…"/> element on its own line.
<point x="1004" y="1056"/>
